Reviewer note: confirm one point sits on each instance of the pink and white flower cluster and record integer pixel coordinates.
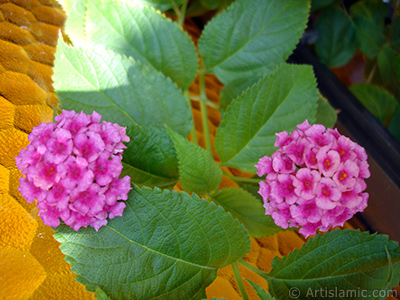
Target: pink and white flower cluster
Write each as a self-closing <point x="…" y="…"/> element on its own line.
<point x="314" y="180"/>
<point x="72" y="169"/>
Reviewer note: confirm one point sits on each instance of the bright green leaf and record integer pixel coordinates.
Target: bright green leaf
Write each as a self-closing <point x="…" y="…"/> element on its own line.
<point x="326" y="114"/>
<point x="252" y="37"/>
<point x="338" y="260"/>
<point x="101" y="295"/>
<point x="162" y="5"/>
<point x="278" y="102"/>
<point x="74" y="25"/>
<point x="149" y="252"/>
<point x="261" y="293"/>
<point x="234" y="88"/>
<point x="146" y="35"/>
<point x="150" y="159"/>
<point x="368" y="17"/>
<point x="377" y="100"/>
<point x="336" y="38"/>
<point x="385" y="62"/>
<point x="197" y="170"/>
<point x="120" y="89"/>
<point x="247" y="209"/>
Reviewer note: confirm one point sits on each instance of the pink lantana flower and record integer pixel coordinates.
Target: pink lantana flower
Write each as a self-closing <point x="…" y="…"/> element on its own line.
<point x="72" y="169"/>
<point x="314" y="180"/>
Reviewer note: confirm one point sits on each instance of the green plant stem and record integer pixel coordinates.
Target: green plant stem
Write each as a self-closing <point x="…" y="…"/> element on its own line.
<point x="239" y="280"/>
<point x="193" y="132"/>
<point x="241" y="179"/>
<point x="372" y="73"/>
<point x="209" y="103"/>
<point x="183" y="13"/>
<point x="253" y="269"/>
<point x="203" y="109"/>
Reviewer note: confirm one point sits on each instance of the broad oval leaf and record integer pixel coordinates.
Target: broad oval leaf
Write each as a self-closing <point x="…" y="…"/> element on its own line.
<point x="369" y="17"/>
<point x="278" y="102"/>
<point x="386" y="56"/>
<point x="247" y="209"/>
<point x="146" y="35"/>
<point x="252" y="37"/>
<point x="197" y="170"/>
<point x="74" y="25"/>
<point x="262" y="294"/>
<point x="326" y="114"/>
<point x="159" y="4"/>
<point x="378" y="101"/>
<point x="339" y="260"/>
<point x="336" y="42"/>
<point x="150" y="158"/>
<point x="167" y="245"/>
<point x="124" y="91"/>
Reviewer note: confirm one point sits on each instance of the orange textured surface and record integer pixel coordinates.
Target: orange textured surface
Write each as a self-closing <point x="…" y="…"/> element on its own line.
<point x="31" y="263"/>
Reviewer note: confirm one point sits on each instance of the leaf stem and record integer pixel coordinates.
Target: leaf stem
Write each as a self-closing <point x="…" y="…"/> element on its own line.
<point x="193" y="132"/>
<point x="183" y="13"/>
<point x="239" y="280"/>
<point x="241" y="179"/>
<point x="372" y="73"/>
<point x="203" y="108"/>
<point x="209" y="103"/>
<point x="253" y="269"/>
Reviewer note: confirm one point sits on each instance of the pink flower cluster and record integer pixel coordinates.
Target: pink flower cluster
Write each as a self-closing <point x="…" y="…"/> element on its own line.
<point x="72" y="169"/>
<point x="314" y="180"/>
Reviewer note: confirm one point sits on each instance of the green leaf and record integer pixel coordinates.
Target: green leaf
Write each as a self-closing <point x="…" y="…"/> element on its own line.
<point x="396" y="66"/>
<point x="326" y="114"/>
<point x="144" y="34"/>
<point x="340" y="261"/>
<point x="377" y="100"/>
<point x="368" y="17"/>
<point x="74" y="25"/>
<point x="234" y="88"/>
<point x="215" y="4"/>
<point x="252" y="37"/>
<point x="261" y="293"/>
<point x="251" y="187"/>
<point x="162" y="5"/>
<point x="101" y="295"/>
<point x="278" y="102"/>
<point x="336" y="42"/>
<point x="394" y="126"/>
<point x="120" y="89"/>
<point x="247" y="209"/>
<point x="150" y="158"/>
<point x="167" y="245"/>
<point x="197" y="170"/>
<point x="385" y="62"/>
<point x="395" y="30"/>
<point x="318" y="4"/>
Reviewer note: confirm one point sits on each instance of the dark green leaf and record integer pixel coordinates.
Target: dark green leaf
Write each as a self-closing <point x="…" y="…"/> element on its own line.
<point x="251" y="187"/>
<point x="144" y="34"/>
<point x="396" y="66"/>
<point x="234" y="88"/>
<point x="167" y="245"/>
<point x="124" y="91"/>
<point x="394" y="126"/>
<point x="197" y="170"/>
<point x="247" y="209"/>
<point x="150" y="159"/>
<point x="278" y="102"/>
<point x="326" y="114"/>
<point x="252" y="37"/>
<point x="262" y="294"/>
<point x="377" y="100"/>
<point x="215" y="4"/>
<point x="395" y="30"/>
<point x="341" y="261"/>
<point x="368" y="17"/>
<point x="385" y="62"/>
<point x="336" y="38"/>
<point x="318" y="4"/>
